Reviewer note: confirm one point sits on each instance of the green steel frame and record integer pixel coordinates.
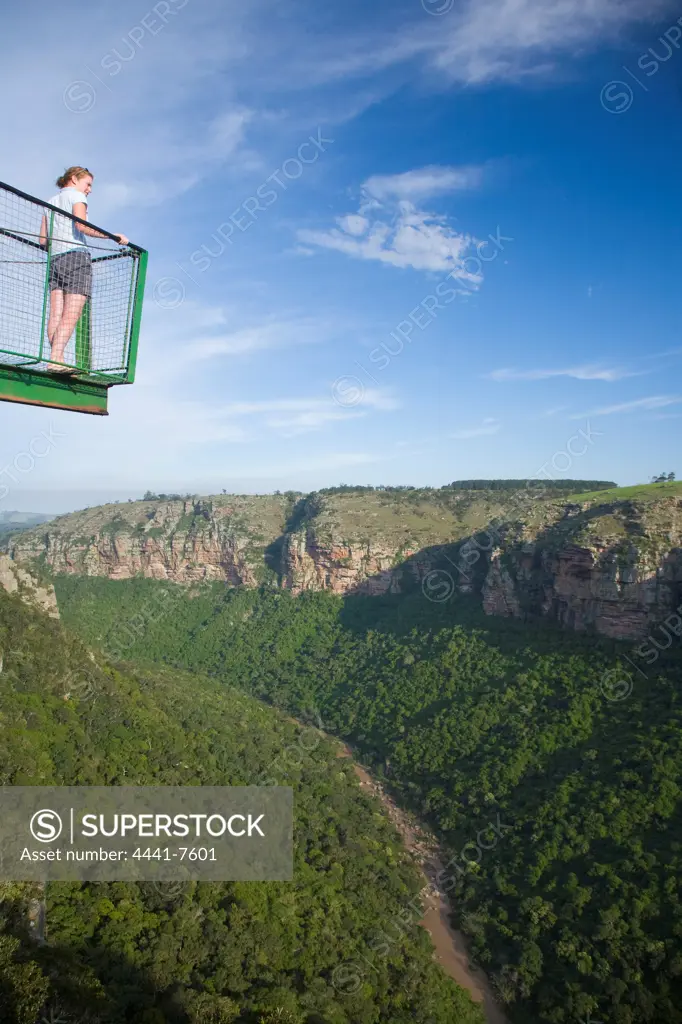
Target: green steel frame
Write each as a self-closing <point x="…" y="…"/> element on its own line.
<point x="87" y="389"/>
<point x="29" y="387"/>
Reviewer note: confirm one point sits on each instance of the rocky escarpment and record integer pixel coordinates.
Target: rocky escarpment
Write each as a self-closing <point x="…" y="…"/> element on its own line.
<point x="340" y="568"/>
<point x="608" y="563"/>
<point x="16" y="580"/>
<point x="366" y="543"/>
<point x="341" y="542"/>
<point x="367" y="568"/>
<point x="615" y="568"/>
<point x="185" y="541"/>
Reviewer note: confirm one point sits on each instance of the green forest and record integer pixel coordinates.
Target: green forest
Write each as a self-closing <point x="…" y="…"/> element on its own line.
<point x="251" y="953"/>
<point x="548" y="765"/>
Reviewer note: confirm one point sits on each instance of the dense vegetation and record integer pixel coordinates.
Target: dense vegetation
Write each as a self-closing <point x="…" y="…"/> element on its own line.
<point x="560" y="486"/>
<point x="551" y="769"/>
<point x="150" y="496"/>
<point x="256" y="953"/>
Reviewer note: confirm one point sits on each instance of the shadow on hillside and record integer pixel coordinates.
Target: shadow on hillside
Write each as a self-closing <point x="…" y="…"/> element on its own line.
<point x="441" y="585"/>
<point x="128" y="993"/>
<point x="300" y="511"/>
<point x="121" y="993"/>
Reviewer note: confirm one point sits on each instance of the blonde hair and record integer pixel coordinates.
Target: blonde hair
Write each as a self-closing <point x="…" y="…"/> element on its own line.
<point x="69" y="173"/>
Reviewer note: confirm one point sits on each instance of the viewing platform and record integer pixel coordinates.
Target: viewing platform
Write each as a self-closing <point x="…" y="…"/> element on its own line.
<point x="102" y="350"/>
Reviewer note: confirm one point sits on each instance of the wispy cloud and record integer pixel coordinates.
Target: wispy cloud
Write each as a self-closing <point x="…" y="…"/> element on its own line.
<point x="663" y="355"/>
<point x="487" y="428"/>
<point x="330" y="460"/>
<point x="423" y="183"/>
<point x="372" y="398"/>
<point x="554" y="411"/>
<point x="184" y="166"/>
<point x="204" y="336"/>
<point x="637" y="405"/>
<point x="275" y="335"/>
<point x="587" y="372"/>
<point x="293" y="416"/>
<point x="189" y="63"/>
<point x="311" y="419"/>
<point x="181" y="134"/>
<point x="483" y="41"/>
<point x="511" y="39"/>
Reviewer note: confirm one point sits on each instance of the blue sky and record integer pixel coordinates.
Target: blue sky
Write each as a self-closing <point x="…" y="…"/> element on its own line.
<point x="450" y="239"/>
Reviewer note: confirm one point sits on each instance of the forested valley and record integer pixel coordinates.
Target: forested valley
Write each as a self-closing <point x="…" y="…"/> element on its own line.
<point x="548" y="763"/>
<point x="202" y="953"/>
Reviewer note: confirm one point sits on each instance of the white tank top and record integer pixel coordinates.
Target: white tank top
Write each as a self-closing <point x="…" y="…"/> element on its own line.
<point x="66" y="235"/>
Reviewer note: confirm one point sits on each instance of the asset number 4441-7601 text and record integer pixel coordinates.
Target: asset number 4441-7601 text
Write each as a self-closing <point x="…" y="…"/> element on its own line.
<point x="182" y="853"/>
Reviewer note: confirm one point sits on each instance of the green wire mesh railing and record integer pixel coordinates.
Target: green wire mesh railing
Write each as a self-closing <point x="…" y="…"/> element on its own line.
<point x="103" y="345"/>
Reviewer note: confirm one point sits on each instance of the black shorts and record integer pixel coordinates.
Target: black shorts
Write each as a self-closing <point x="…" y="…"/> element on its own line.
<point x="72" y="272"/>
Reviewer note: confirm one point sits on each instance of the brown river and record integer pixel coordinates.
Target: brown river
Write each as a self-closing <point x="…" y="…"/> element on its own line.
<point x="450" y="945"/>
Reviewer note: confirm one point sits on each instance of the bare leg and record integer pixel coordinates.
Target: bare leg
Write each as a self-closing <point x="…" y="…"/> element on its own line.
<point x="56" y="310"/>
<point x="73" y="307"/>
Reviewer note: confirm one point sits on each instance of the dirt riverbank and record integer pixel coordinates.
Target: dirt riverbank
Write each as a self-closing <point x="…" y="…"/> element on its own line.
<point x="450" y="945"/>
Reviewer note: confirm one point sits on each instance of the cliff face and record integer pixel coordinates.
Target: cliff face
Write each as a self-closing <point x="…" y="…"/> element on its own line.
<point x="614" y="568"/>
<point x="604" y="563"/>
<point x="15" y="580"/>
<point x="342" y="542"/>
<point x="338" y="567"/>
<point x="184" y="541"/>
<point x="360" y="543"/>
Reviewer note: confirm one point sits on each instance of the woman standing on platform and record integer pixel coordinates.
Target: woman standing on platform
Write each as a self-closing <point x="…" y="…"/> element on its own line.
<point x="71" y="263"/>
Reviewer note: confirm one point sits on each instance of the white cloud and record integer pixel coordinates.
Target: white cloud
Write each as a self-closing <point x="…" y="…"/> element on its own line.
<point x="416" y="239"/>
<point x="422" y="183"/>
<point x="638" y="405"/>
<point x="353" y="224"/>
<point x="390" y="228"/>
<point x="487" y="428"/>
<point x="587" y="372"/>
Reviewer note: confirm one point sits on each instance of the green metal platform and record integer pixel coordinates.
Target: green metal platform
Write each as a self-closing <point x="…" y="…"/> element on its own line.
<point x="102" y="351"/>
<point x="29" y="387"/>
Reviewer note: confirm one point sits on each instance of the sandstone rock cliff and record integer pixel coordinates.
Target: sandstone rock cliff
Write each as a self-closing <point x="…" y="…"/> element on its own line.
<point x="615" y="568"/>
<point x="16" y="580"/>
<point x="183" y="541"/>
<point x="341" y="543"/>
<point x="367" y="568"/>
